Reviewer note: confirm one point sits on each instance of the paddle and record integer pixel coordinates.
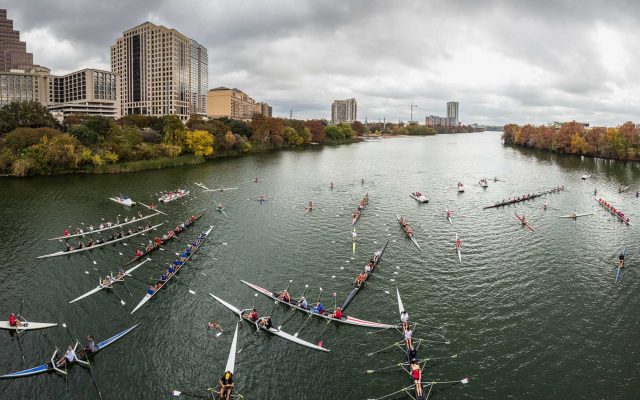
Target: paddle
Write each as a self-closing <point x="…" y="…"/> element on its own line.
<point x="87" y="356"/>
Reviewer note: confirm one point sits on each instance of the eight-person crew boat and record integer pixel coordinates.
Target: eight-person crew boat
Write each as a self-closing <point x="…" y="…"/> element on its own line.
<point x="361" y="205"/>
<point x="173" y="195"/>
<point x="103" y="226"/>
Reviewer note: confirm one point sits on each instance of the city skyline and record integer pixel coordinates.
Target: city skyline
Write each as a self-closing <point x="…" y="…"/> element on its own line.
<point x="528" y="70"/>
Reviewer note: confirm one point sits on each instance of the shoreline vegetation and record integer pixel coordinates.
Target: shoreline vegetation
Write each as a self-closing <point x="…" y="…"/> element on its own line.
<point x="618" y="143"/>
<point x="32" y="142"/>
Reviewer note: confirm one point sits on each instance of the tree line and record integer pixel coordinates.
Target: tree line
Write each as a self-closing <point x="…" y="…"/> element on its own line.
<point x="619" y="142"/>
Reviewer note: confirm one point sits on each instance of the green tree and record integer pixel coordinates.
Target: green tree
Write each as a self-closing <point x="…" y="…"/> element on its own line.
<point x="25" y="114"/>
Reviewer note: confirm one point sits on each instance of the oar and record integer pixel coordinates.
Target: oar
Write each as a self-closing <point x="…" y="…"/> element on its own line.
<point x="385" y="348"/>
<point x="18" y="335"/>
<point x="405" y="389"/>
<point x="176" y="393"/>
<point x="87" y="356"/>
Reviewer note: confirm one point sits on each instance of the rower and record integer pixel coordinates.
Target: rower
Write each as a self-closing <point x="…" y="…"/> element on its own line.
<point x="220" y="206"/>
<point x="138" y="253"/>
<point x="360" y="279"/>
<point x="226" y="385"/>
<point x="303" y="302"/>
<point x="413" y="354"/>
<point x="318" y="309"/>
<point x="354" y="235"/>
<point x="13" y="321"/>
<point x="331" y="185"/>
<point x="458" y="243"/>
<point x="265" y="322"/>
<point x="404" y="317"/>
<point x="106" y="281"/>
<point x="337" y="314"/>
<point x="362" y="181"/>
<point x="285" y="296"/>
<point x="69" y="247"/>
<point x="408" y="333"/>
<point x="621" y="260"/>
<point x="368" y="268"/>
<point x="151" y="290"/>
<point x="171" y="270"/>
<point x="310" y="205"/>
<point x="523" y="220"/>
<point x="120" y="273"/>
<point x="253" y="315"/>
<point x="69" y="356"/>
<point x="416" y="374"/>
<point x="91" y="345"/>
<point x="164" y="277"/>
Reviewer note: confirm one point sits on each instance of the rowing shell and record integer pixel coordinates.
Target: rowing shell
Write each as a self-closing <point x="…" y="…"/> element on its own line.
<point x="109" y="286"/>
<point x="413" y="239"/>
<point x="49" y="366"/>
<point x="222" y="189"/>
<point x="231" y="361"/>
<point x="619" y="269"/>
<point x="458" y="250"/>
<point x="28" y="326"/>
<point x="166" y="198"/>
<point x="420" y="199"/>
<point x="575" y="215"/>
<point x="325" y="315"/>
<point x="124" y="201"/>
<point x="616" y="215"/>
<point x="148" y="296"/>
<point x="448" y="216"/>
<point x="272" y="330"/>
<point x="201" y="185"/>
<point x="62" y="253"/>
<point x="355" y="290"/>
<point x="525" y="223"/>
<point x="105" y="229"/>
<point x="406" y="349"/>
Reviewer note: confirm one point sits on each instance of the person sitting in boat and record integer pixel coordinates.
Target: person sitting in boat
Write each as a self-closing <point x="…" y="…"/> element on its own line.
<point x="106" y="281"/>
<point x="68" y="357"/>
<point x="318" y="309"/>
<point x="284" y="296"/>
<point x="80" y="245"/>
<point x="360" y="279"/>
<point x="164" y="276"/>
<point x="303" y="302"/>
<point x="404" y="317"/>
<point x="177" y="263"/>
<point x="523" y="220"/>
<point x="226" y="386"/>
<point x="413" y="354"/>
<point x="171" y="270"/>
<point x="337" y="314"/>
<point x="331" y="185"/>
<point x="253" y="315"/>
<point x="139" y="253"/>
<point x="458" y="243"/>
<point x="120" y="274"/>
<point x="90" y="242"/>
<point x="367" y="268"/>
<point x="621" y="260"/>
<point x="68" y="247"/>
<point x="13" y="321"/>
<point x="158" y="285"/>
<point x="151" y="290"/>
<point x="265" y="322"/>
<point x="416" y="375"/>
<point x="91" y="345"/>
<point x="408" y="334"/>
<point x="66" y="232"/>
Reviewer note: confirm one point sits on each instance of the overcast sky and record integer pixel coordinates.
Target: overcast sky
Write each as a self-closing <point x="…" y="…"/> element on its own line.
<point x="504" y="61"/>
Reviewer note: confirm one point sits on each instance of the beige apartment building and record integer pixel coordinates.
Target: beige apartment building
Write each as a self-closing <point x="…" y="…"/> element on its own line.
<point x="162" y="72"/>
<point x="230" y="103"/>
<point x="88" y="91"/>
<point x="264" y="109"/>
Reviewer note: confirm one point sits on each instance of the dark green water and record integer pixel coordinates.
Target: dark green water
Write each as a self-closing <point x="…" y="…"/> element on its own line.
<point x="533" y="314"/>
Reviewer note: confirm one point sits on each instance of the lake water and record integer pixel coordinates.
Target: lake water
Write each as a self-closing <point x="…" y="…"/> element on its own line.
<point x="532" y="315"/>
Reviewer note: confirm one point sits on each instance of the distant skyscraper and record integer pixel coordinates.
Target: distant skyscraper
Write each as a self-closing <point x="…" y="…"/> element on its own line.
<point x="344" y="111"/>
<point x="157" y="72"/>
<point x="452" y="111"/>
<point x="13" y="52"/>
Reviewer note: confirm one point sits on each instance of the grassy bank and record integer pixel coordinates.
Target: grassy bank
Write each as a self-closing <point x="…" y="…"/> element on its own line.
<point x="134" y="166"/>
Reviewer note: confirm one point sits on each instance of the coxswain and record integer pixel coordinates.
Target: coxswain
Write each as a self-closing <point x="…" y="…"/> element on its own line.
<point x="91" y="345"/>
<point x="13" y="321"/>
<point x="226" y="385"/>
<point x="66" y="232"/>
<point x="139" y="253"/>
<point x="404" y="317"/>
<point x="285" y="296"/>
<point x="253" y="315"/>
<point x="337" y="314"/>
<point x="621" y="260"/>
<point x="416" y="374"/>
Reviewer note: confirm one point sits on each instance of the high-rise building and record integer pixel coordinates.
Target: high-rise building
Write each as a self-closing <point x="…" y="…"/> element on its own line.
<point x="199" y="78"/>
<point x="88" y="92"/>
<point x="344" y="111"/>
<point x="452" y="111"/>
<point x="13" y="52"/>
<point x="21" y="85"/>
<point x="230" y="103"/>
<point x="157" y="74"/>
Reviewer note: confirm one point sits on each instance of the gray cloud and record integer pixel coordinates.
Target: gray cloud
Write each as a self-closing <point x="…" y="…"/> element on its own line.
<point x="504" y="61"/>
